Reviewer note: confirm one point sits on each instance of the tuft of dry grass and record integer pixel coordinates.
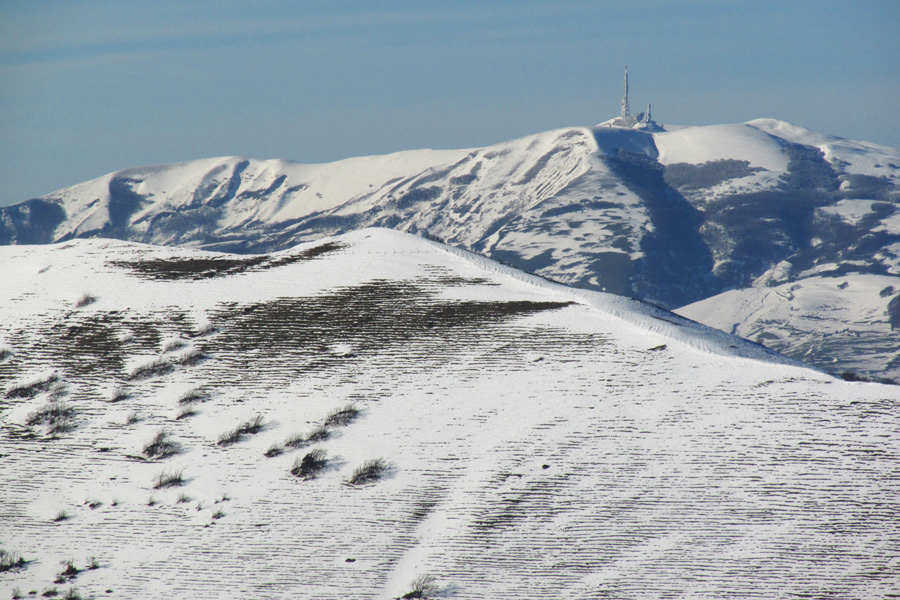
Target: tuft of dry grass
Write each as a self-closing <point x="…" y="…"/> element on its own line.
<point x="61" y="516"/>
<point x="310" y="465"/>
<point x="11" y="561"/>
<point x="341" y="417"/>
<point x="274" y="450"/>
<point x="162" y="446"/>
<point x="251" y="427"/>
<point x="169" y="479"/>
<point x="85" y="300"/>
<point x="423" y="586"/>
<point x="319" y="434"/>
<point x="58" y="416"/>
<point x="368" y="472"/>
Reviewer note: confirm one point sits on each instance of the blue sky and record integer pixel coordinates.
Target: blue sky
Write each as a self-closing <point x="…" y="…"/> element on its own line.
<point x="89" y="87"/>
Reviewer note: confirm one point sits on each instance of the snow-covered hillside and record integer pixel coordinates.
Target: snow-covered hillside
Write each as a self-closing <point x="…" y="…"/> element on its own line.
<point x="673" y="216"/>
<point x="183" y="424"/>
<point x="846" y="323"/>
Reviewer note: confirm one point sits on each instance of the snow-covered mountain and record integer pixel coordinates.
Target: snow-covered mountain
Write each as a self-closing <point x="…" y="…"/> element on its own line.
<point x="178" y="423"/>
<point x="673" y="216"/>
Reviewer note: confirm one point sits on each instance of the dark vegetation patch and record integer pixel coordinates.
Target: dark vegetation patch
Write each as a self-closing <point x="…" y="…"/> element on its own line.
<point x="866" y="186"/>
<point x="341" y="417"/>
<point x="251" y="427"/>
<point x="853" y="376"/>
<point x="11" y="561"/>
<point x="192" y="396"/>
<point x="705" y="175"/>
<point x="310" y="465"/>
<point x="33" y="388"/>
<point x="422" y="587"/>
<point x="168" y="479"/>
<point x="152" y="368"/>
<point x="594" y="204"/>
<point x="85" y="300"/>
<point x="162" y="446"/>
<point x="368" y="472"/>
<point x="417" y="195"/>
<point x="789" y="215"/>
<point x="290" y="336"/>
<point x="186" y="413"/>
<point x="58" y="416"/>
<point x="893" y="311"/>
<point x="206" y="268"/>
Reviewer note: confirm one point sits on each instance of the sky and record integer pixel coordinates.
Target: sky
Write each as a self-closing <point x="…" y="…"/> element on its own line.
<point x="91" y="87"/>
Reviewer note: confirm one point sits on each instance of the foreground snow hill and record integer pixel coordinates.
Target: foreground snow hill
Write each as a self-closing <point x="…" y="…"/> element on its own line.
<point x="378" y="416"/>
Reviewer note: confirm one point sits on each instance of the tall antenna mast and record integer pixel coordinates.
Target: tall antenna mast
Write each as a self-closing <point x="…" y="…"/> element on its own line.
<point x="625" y="112"/>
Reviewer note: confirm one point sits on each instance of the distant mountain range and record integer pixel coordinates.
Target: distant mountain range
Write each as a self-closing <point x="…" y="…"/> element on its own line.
<point x="379" y="416"/>
<point x="802" y="223"/>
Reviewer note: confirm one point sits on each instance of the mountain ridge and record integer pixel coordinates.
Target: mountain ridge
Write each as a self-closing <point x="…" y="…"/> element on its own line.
<point x="674" y="217"/>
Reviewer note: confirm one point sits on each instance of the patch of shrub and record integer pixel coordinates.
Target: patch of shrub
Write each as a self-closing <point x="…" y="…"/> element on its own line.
<point x="118" y="395"/>
<point x="50" y="593"/>
<point x="11" y="561"/>
<point x="85" y="300"/>
<point x="61" y="516"/>
<point x="191" y="357"/>
<point x="851" y="376"/>
<point x="708" y="174"/>
<point x="186" y="413"/>
<point x="72" y="594"/>
<point x="58" y="416"/>
<point x="32" y="388"/>
<point x="368" y="472"/>
<point x="295" y="441"/>
<point x="156" y="366"/>
<point x="162" y="446"/>
<point x="319" y="434"/>
<point x="171" y="345"/>
<point x="310" y="465"/>
<point x="230" y="437"/>
<point x="169" y="479"/>
<point x="218" y="514"/>
<point x="70" y="571"/>
<point x="93" y="564"/>
<point x="423" y="586"/>
<point x="207" y="329"/>
<point x="184" y="498"/>
<point x="253" y="426"/>
<point x="274" y="450"/>
<point x="191" y="397"/>
<point x="341" y="417"/>
<point x="133" y="418"/>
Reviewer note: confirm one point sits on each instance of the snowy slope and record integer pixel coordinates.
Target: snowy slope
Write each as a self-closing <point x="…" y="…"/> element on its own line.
<point x="540" y="441"/>
<point x="839" y="323"/>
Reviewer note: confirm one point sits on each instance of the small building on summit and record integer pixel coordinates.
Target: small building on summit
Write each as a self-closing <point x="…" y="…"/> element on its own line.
<point x="642" y="120"/>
